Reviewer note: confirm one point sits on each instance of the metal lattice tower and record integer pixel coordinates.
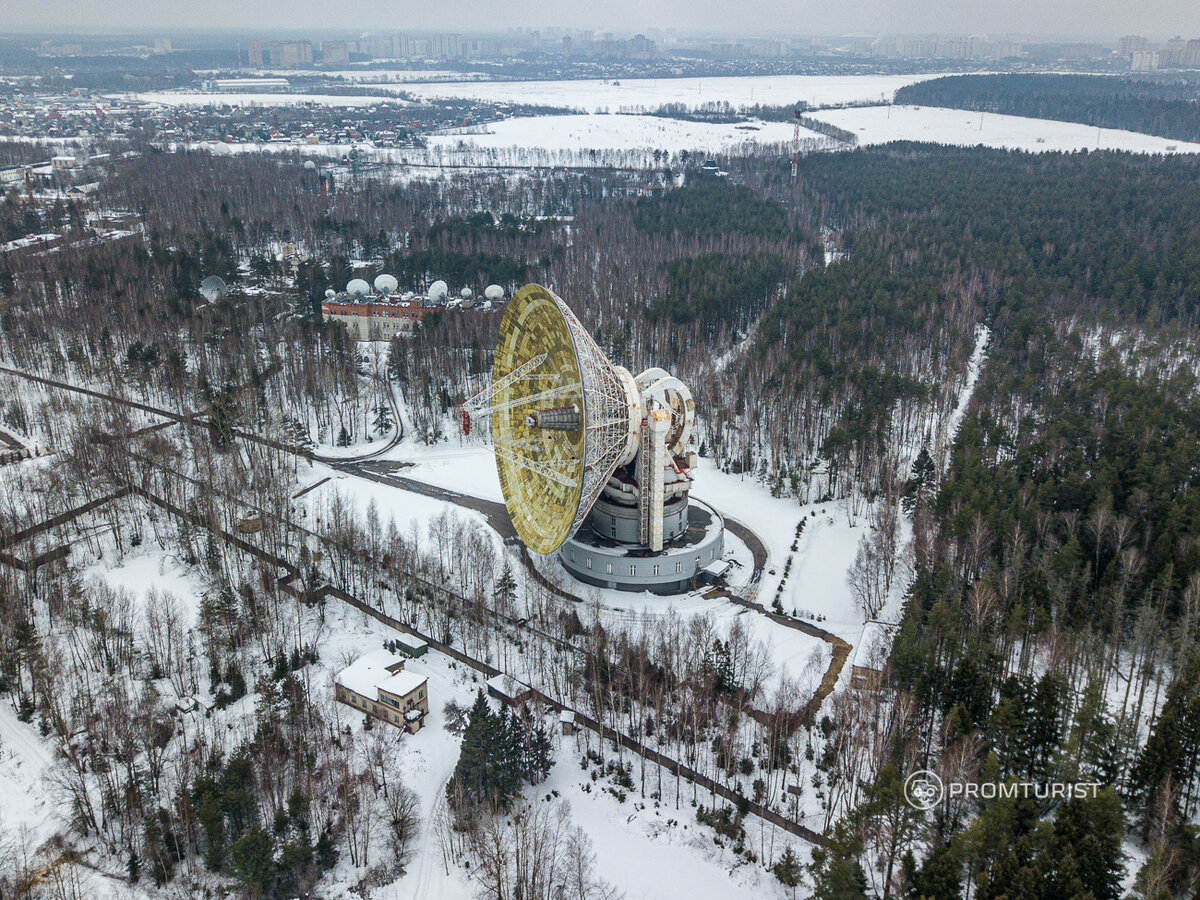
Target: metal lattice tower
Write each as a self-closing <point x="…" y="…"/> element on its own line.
<point x="606" y="407"/>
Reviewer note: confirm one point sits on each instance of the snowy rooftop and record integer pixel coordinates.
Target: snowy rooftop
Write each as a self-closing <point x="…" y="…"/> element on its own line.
<point x="875" y="644"/>
<point x="717" y="568"/>
<point x="507" y="686"/>
<point x="402" y="683"/>
<point x="369" y="671"/>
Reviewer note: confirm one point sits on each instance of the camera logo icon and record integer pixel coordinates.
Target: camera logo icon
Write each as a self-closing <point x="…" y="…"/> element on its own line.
<point x="924" y="790"/>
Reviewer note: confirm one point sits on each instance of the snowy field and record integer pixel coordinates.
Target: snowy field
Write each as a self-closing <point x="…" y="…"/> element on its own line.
<point x="541" y="141"/>
<point x="593" y="95"/>
<point x="619" y="132"/>
<point x="882" y="124"/>
<point x="469" y="468"/>
<point x="597" y="95"/>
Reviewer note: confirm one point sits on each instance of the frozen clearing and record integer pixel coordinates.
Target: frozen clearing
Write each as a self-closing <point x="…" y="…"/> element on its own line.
<point x="618" y="132"/>
<point x="883" y="124"/>
<point x="146" y="568"/>
<point x="468" y="467"/>
<point x="29" y="812"/>
<point x="816" y="584"/>
<point x="597" y="95"/>
<point x="982" y="336"/>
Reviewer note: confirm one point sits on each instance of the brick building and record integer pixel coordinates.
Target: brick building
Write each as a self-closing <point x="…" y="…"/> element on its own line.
<point x="378" y="685"/>
<point x="374" y="318"/>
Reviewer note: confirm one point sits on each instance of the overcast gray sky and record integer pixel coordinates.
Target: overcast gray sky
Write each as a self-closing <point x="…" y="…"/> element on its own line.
<point x="1085" y="18"/>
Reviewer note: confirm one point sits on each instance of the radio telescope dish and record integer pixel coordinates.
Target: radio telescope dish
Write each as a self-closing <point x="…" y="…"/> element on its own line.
<point x="563" y="418"/>
<point x="493" y="292"/>
<point x="576" y="437"/>
<point x="358" y="288"/>
<point x="213" y="287"/>
<point x="330" y="293"/>
<point x="438" y="290"/>
<point x="385" y="284"/>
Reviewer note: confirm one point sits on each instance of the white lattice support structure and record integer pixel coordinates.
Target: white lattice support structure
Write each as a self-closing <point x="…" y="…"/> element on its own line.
<point x="480" y="404"/>
<point x="651" y="476"/>
<point x="643" y="494"/>
<point x="611" y="412"/>
<point x="532" y="465"/>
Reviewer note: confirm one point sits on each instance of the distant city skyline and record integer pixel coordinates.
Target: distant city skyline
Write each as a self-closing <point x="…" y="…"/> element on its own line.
<point x="1067" y="19"/>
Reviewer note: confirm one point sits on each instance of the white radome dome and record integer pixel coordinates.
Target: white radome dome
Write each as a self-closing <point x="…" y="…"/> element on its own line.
<point x="358" y="288"/>
<point x="385" y="283"/>
<point x="466" y="293"/>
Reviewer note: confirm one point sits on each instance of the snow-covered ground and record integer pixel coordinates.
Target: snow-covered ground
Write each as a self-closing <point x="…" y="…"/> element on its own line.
<point x="620" y="132"/>
<point x="686" y="861"/>
<point x="816" y="584"/>
<point x="882" y="124"/>
<point x="595" y="95"/>
<point x="25" y="758"/>
<point x="145" y="569"/>
<point x="468" y="467"/>
<point x="392" y="503"/>
<point x="590" y="95"/>
<point x="982" y="335"/>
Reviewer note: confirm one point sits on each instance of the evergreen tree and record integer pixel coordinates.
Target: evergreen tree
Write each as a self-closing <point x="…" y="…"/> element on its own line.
<point x="940" y="877"/>
<point x="539" y="754"/>
<point x="888" y="814"/>
<point x="506" y="589"/>
<point x="383" y="419"/>
<point x="835" y="869"/>
<point x="788" y="870"/>
<point x="253" y="859"/>
<point x="1173" y="748"/>
<point x="921" y="482"/>
<point x="1084" y="848"/>
<point x="498" y="751"/>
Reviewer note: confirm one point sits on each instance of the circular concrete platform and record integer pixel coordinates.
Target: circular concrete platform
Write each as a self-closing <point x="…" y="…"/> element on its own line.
<point x="603" y="562"/>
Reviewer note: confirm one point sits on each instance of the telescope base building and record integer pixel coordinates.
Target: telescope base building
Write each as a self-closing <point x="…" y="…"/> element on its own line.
<point x="597" y="555"/>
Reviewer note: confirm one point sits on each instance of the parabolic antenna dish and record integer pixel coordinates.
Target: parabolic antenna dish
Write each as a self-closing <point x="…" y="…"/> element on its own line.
<point x="213" y="287"/>
<point x="561" y="418"/>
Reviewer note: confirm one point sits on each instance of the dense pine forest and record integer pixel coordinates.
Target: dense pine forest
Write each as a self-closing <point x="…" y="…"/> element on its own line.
<point x="1166" y="109"/>
<point x="1050" y="626"/>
